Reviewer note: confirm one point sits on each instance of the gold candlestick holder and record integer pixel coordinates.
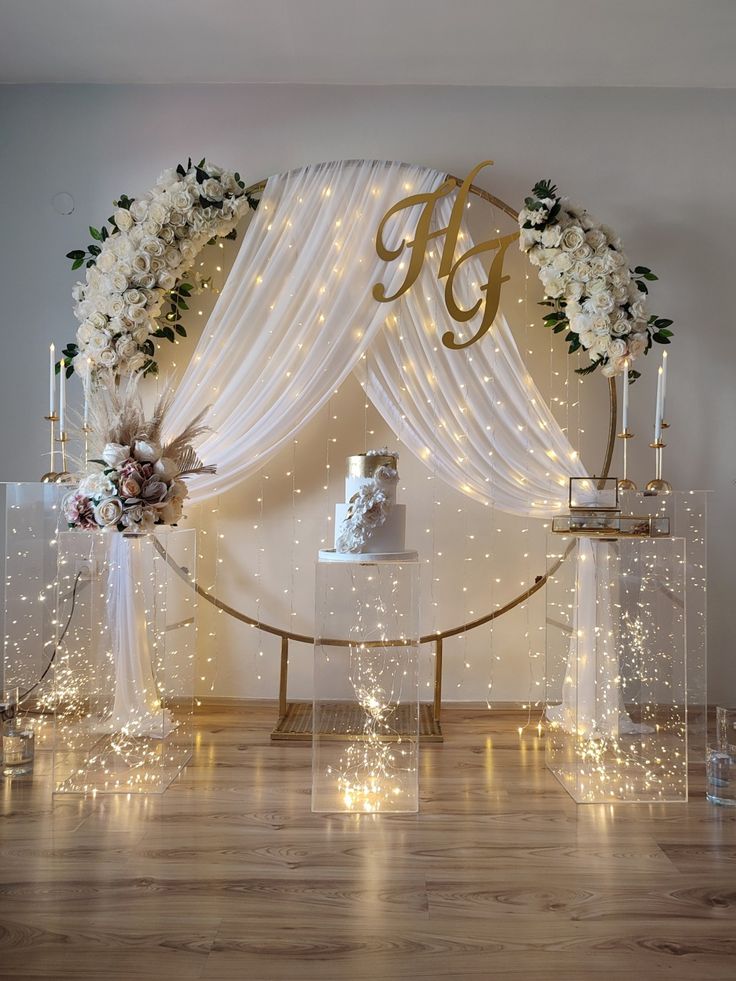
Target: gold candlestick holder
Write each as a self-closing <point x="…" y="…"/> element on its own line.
<point x="50" y="477"/>
<point x="625" y="484"/>
<point x="86" y="430"/>
<point x="658" y="485"/>
<point x="63" y="474"/>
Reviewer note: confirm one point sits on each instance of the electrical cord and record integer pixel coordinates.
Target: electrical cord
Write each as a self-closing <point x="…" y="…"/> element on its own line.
<point x="9" y="713"/>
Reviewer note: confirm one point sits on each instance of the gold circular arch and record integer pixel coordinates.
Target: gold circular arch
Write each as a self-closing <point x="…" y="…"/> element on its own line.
<point x="431" y="728"/>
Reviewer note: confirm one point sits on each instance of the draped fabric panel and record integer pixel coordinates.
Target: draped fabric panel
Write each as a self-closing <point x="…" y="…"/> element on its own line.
<point x="297" y="314"/>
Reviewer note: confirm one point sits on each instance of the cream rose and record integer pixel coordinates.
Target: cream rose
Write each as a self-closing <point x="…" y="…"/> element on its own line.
<point x="115" y="454"/>
<point x="109" y="511"/>
<point x="212" y="189"/>
<point x="123" y="219"/>
<point x="105" y="261"/>
<point x="147" y="451"/>
<point x="572" y="238"/>
<point x="107" y="357"/>
<point x="616" y="348"/>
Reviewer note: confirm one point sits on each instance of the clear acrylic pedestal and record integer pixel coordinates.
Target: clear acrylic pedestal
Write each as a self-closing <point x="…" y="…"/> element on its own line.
<point x="31" y="516"/>
<point x="365" y="744"/>
<point x="616" y="668"/>
<point x="125" y="661"/>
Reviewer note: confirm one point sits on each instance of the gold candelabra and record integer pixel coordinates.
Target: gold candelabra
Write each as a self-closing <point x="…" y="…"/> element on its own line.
<point x="51" y="475"/>
<point x="658" y="485"/>
<point x="624" y="483"/>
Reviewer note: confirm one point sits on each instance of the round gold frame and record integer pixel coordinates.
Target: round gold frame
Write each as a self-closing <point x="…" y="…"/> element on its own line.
<point x="294" y="719"/>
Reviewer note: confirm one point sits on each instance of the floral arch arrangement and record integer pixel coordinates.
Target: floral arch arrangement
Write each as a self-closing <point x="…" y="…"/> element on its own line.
<point x="136" y="286"/>
<point x="593" y="293"/>
<point x="136" y="282"/>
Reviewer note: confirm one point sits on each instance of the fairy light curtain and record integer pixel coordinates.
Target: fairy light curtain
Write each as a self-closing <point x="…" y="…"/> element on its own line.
<point x="297" y="315"/>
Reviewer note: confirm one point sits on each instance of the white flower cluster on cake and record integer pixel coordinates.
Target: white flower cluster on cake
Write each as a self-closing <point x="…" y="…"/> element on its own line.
<point x="595" y="297"/>
<point x="141" y="483"/>
<point x="369" y="507"/>
<point x="137" y="266"/>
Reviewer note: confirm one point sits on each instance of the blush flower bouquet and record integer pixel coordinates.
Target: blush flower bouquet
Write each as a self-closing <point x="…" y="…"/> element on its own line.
<point x="140" y="480"/>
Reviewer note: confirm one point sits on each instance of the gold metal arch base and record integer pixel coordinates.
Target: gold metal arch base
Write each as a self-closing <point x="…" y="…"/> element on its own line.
<point x="295" y="718"/>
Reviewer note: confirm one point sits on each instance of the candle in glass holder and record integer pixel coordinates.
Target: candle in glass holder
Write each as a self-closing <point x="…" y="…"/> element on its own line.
<point x="18" y="750"/>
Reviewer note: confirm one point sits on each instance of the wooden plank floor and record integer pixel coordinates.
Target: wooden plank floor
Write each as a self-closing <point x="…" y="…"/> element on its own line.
<point x="229" y="875"/>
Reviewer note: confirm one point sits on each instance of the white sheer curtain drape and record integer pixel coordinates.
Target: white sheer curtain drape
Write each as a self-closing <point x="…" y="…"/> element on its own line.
<point x="296" y="312"/>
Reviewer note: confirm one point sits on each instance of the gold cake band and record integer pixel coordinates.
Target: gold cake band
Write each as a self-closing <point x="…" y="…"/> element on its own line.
<point x="366" y="466"/>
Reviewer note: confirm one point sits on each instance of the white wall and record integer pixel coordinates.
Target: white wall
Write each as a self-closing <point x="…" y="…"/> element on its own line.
<point x="656" y="164"/>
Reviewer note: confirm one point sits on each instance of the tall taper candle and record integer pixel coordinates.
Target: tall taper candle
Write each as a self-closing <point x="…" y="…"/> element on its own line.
<point x="52" y="379"/>
<point x="62" y="400"/>
<point x="658" y="409"/>
<point x="664" y="381"/>
<point x="625" y="400"/>
<point x="87" y="383"/>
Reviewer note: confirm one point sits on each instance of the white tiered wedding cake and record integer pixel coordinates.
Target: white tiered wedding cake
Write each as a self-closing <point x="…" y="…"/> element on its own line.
<point x="370" y="522"/>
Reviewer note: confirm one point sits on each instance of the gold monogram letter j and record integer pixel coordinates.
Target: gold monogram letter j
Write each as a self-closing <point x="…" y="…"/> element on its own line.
<point x="449" y="266"/>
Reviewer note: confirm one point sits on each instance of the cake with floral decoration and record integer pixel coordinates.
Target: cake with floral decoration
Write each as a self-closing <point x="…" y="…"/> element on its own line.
<point x="370" y="521"/>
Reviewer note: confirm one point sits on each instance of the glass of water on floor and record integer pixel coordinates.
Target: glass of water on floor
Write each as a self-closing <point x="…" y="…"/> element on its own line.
<point x="721" y="760"/>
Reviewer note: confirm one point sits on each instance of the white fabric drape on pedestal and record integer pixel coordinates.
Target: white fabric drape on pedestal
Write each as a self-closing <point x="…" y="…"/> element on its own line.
<point x="137" y="709"/>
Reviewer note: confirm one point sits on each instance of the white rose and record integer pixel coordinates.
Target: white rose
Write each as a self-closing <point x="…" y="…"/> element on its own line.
<point x="602" y="302"/>
<point x="141" y="262"/>
<point x="84" y="332"/>
<point x="98" y="341"/>
<point x="551" y="236"/>
<point x="153" y="246"/>
<point x="98" y="320"/>
<point x="595" y="238"/>
<point x="136" y="314"/>
<point x="173" y="258"/>
<point x="580" y="324"/>
<point x="96" y="484"/>
<point x="181" y="199"/>
<point x="581" y="272"/>
<point x="126" y="347"/>
<point x="637" y="344"/>
<point x="123" y="219"/>
<point x="528" y="237"/>
<point x="140" y="334"/>
<point x="171" y="511"/>
<point x="166" y="469"/>
<point x="598" y="267"/>
<point x="572" y="238"/>
<point x="574" y="290"/>
<point x="137" y="362"/>
<point x="134" y="297"/>
<point x="115" y="454"/>
<point x="78" y="291"/>
<point x="584" y="252"/>
<point x="167" y="178"/>
<point x="621" y="327"/>
<point x="146" y="451"/>
<point x="601" y="326"/>
<point x="188" y="249"/>
<point x="554" y="287"/>
<point x="212" y="189"/>
<point x="81" y="365"/>
<point x="147" y="280"/>
<point x="638" y="310"/>
<point x="139" y="209"/>
<point x="562" y="262"/>
<point x="616" y="348"/>
<point x="151" y="229"/>
<point x="115" y="306"/>
<point x="167" y="235"/>
<point x="177" y="219"/>
<point x="117" y="281"/>
<point x="107" y="357"/>
<point x="157" y="211"/>
<point x="109" y="511"/>
<point x="166" y="279"/>
<point x="105" y="261"/>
